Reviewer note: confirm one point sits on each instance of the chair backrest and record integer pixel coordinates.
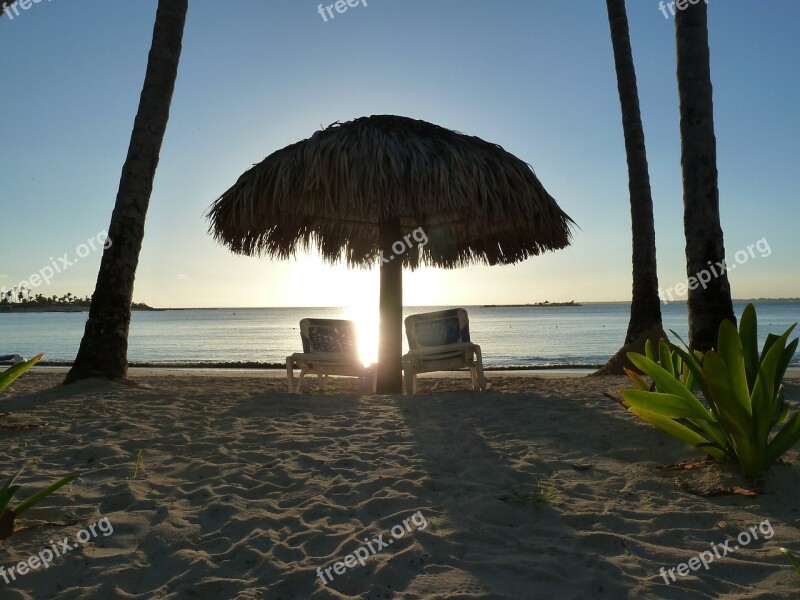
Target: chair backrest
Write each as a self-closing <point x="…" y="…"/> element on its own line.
<point x="438" y="328"/>
<point x="328" y="335"/>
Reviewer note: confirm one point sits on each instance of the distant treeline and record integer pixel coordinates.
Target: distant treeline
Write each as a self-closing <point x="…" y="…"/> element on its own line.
<point x="11" y="299"/>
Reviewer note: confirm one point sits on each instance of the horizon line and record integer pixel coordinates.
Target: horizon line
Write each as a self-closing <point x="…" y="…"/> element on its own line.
<point x="512" y="305"/>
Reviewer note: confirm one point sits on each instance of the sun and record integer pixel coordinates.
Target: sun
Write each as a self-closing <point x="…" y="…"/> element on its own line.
<point x="363" y="295"/>
<point x="313" y="282"/>
<point x="363" y="309"/>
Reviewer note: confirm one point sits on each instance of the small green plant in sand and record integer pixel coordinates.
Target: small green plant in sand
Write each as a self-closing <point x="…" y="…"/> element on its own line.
<point x="792" y="559"/>
<point x="8" y="376"/>
<point x="7" y="492"/>
<point x="7" y="515"/>
<point x="531" y="497"/>
<point x="743" y="390"/>
<point x="138" y="464"/>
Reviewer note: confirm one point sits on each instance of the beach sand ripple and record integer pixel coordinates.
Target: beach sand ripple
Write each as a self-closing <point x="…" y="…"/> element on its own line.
<point x="245" y="491"/>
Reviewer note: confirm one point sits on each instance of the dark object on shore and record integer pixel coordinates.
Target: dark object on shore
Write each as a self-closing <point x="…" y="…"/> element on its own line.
<point x="546" y="303"/>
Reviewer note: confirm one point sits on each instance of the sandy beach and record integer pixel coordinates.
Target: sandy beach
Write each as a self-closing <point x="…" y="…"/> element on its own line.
<point x="198" y="200"/>
<point x="245" y="491"/>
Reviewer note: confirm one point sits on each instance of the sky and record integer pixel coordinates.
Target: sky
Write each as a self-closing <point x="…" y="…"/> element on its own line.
<point x="535" y="76"/>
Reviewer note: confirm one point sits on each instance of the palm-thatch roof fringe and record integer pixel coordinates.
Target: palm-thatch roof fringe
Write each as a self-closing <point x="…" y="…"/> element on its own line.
<point x="475" y="202"/>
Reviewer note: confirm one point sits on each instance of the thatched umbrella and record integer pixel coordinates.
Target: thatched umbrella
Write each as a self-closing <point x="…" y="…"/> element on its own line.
<point x="354" y="190"/>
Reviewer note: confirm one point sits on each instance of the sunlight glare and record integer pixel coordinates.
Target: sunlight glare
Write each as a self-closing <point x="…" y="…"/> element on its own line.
<point x="363" y="309"/>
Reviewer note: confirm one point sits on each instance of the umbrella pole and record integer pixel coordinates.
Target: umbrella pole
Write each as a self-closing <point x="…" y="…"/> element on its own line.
<point x="390" y="348"/>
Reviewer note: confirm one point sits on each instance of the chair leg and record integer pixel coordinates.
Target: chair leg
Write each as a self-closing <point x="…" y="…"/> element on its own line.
<point x="409" y="384"/>
<point x="369" y="381"/>
<point x="409" y="376"/>
<point x="290" y="374"/>
<point x="300" y="380"/>
<point x="479" y="367"/>
<point x="473" y="375"/>
<point x="322" y="380"/>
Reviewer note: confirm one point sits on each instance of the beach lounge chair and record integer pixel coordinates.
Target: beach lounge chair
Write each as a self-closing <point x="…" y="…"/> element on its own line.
<point x="439" y="341"/>
<point x="329" y="348"/>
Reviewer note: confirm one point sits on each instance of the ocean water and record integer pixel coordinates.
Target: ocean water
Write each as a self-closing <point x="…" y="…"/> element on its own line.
<point x="540" y="337"/>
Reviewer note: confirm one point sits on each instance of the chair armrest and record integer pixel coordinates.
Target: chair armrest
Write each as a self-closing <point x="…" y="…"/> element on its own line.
<point x="431" y="351"/>
<point x="327" y="359"/>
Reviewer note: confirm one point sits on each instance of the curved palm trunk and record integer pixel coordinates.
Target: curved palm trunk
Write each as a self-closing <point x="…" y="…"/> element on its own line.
<point x="645" y="320"/>
<point x="711" y="304"/>
<point x="104" y="348"/>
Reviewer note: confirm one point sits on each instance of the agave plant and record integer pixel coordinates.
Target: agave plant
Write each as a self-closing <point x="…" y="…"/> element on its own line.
<point x="10" y="374"/>
<point x="7" y="515"/>
<point x="742" y="388"/>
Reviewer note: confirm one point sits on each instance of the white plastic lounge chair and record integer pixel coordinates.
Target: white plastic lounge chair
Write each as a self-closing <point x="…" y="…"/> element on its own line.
<point x="439" y="341"/>
<point x="329" y="348"/>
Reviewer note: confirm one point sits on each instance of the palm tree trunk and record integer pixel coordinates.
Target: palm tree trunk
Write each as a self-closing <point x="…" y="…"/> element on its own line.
<point x="390" y="347"/>
<point x="645" y="320"/>
<point x="104" y="348"/>
<point x="709" y="305"/>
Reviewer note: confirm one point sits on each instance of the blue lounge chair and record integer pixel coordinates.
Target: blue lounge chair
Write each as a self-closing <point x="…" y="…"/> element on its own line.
<point x="329" y="348"/>
<point x="439" y="341"/>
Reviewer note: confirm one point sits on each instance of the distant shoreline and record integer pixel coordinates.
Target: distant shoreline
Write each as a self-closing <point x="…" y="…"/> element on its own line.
<point x="5" y="308"/>
<point x="272" y="370"/>
<point x="63" y="309"/>
<point x="545" y="304"/>
<point x="274" y="366"/>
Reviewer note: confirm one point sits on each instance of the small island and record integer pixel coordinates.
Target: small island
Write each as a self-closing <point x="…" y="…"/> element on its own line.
<point x="10" y="301"/>
<point x="546" y="303"/>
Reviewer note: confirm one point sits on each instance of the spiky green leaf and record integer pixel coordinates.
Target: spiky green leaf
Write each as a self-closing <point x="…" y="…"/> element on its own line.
<point x="731" y="415"/>
<point x="6" y="494"/>
<point x="637" y="380"/>
<point x="792" y="559"/>
<point x="665" y="357"/>
<point x="8" y="376"/>
<point x="666" y="405"/>
<point x="730" y="351"/>
<point x="748" y="332"/>
<point x="39" y="496"/>
<point x="764" y="393"/>
<point x="786" y="438"/>
<point x="666" y="382"/>
<point x="679" y="431"/>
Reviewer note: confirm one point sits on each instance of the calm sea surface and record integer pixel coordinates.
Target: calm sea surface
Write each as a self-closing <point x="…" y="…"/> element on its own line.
<point x="519" y="336"/>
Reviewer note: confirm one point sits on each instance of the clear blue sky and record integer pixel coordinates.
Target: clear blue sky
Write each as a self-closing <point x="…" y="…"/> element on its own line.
<point x="535" y="76"/>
